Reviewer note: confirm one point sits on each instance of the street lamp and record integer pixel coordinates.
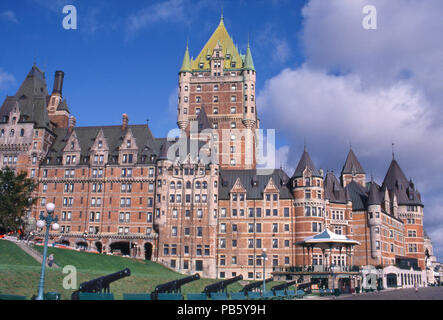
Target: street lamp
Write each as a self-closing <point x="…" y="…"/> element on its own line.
<point x="46" y="221"/>
<point x="264" y="257"/>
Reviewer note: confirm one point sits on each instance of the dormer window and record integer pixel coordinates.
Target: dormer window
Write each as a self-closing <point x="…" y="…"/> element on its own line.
<point x="233" y="64"/>
<point x="100" y="144"/>
<point x="201" y="65"/>
<point x="128" y="143"/>
<point x="228" y="56"/>
<point x="72" y="145"/>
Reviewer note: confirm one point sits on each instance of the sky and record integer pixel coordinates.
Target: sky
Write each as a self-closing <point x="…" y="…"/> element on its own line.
<point x="322" y="79"/>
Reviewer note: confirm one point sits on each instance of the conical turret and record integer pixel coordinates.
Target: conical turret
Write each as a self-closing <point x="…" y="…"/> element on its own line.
<point x="186" y="65"/>
<point x="249" y="62"/>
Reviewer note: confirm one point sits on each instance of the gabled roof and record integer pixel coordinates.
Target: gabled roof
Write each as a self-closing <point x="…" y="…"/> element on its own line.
<point x="306" y="162"/>
<point x="334" y="192"/>
<point x="253" y="183"/>
<point x="146" y="143"/>
<point x="352" y="164"/>
<point x="395" y="181"/>
<point x="221" y="36"/>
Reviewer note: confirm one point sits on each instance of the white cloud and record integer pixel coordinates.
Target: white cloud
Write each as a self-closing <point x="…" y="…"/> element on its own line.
<point x="369" y="88"/>
<point x="171" y="10"/>
<point x="274" y="44"/>
<point x="9" y="16"/>
<point x="6" y="80"/>
<point x="173" y="101"/>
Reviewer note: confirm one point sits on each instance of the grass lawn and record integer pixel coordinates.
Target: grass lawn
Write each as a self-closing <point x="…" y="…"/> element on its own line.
<point x="20" y="274"/>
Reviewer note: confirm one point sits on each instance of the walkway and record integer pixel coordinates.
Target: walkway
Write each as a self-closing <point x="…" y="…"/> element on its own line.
<point x="29" y="250"/>
<point x="428" y="293"/>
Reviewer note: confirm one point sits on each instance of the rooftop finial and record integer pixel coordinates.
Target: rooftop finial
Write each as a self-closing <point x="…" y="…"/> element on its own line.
<point x="221" y="16"/>
<point x="304" y="145"/>
<point x="393" y="153"/>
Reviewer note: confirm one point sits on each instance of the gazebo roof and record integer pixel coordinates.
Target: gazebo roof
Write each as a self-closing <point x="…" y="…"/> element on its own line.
<point x="327" y="239"/>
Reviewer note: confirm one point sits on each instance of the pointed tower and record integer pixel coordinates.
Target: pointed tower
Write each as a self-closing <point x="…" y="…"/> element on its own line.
<point x="374" y="219"/>
<point x="405" y="204"/>
<point x="249" y="113"/>
<point x="184" y="79"/>
<point x="352" y="171"/>
<point x="222" y="81"/>
<point x="309" y="202"/>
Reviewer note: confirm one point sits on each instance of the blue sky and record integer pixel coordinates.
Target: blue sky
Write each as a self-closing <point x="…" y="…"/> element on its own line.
<point x="321" y="77"/>
<point x="126" y="58"/>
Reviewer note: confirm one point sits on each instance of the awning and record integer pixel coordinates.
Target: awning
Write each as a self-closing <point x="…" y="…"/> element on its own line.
<point x="327" y="240"/>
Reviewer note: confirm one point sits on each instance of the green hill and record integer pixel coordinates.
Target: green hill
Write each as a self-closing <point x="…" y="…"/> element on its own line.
<point x="20" y="273"/>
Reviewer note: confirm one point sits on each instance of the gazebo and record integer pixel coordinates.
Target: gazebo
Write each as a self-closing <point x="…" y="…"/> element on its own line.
<point x="324" y="241"/>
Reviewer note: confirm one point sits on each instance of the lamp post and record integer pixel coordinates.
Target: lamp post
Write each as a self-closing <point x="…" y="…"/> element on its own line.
<point x="264" y="257"/>
<point x="46" y="221"/>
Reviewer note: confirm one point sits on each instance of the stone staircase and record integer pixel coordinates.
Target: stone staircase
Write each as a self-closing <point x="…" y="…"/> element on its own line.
<point x="29" y="250"/>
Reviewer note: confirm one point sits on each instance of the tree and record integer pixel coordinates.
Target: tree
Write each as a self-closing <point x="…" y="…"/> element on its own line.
<point x="15" y="198"/>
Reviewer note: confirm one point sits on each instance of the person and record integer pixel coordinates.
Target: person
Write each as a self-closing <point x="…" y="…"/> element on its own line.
<point x="51" y="260"/>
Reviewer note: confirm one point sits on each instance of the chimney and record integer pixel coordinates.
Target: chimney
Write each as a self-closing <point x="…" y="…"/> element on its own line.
<point x="125" y="122"/>
<point x="58" y="82"/>
<point x="71" y="124"/>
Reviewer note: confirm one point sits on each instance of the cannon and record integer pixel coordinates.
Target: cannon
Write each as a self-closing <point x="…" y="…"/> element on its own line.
<point x="174" y="286"/>
<point x="253" y="285"/>
<point x="283" y="286"/>
<point x="221" y="286"/>
<point x="100" y="284"/>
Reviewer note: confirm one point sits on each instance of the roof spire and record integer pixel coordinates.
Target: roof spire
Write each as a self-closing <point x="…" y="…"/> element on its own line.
<point x="249" y="62"/>
<point x="186" y="65"/>
<point x="393" y="153"/>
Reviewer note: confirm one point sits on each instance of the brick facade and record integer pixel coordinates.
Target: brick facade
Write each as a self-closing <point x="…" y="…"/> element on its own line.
<point x="115" y="188"/>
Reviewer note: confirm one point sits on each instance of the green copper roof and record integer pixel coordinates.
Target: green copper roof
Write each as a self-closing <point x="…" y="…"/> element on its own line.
<point x="221" y="37"/>
<point x="186" y="65"/>
<point x="249" y="63"/>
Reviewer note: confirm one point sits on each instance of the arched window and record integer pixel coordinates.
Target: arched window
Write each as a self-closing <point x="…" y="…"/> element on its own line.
<point x="198" y="185"/>
<point x="205" y="185"/>
<point x="172" y="185"/>
<point x="179" y="185"/>
<point x="11" y="133"/>
<point x="188" y="185"/>
<point x="2" y="133"/>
